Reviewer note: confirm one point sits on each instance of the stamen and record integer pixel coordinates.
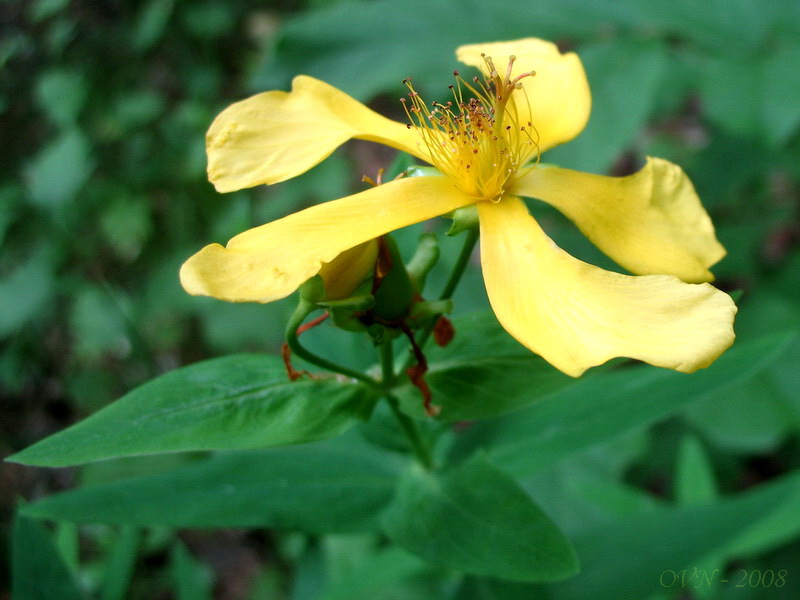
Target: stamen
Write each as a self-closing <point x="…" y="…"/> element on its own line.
<point x="477" y="141"/>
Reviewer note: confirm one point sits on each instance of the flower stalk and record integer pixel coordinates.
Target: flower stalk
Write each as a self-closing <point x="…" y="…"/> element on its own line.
<point x="305" y="308"/>
<point x="418" y="444"/>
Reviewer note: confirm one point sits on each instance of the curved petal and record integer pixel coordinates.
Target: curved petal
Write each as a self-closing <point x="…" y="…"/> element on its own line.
<point x="650" y="222"/>
<point x="577" y="316"/>
<point x="271" y="261"/>
<point x="556" y="101"/>
<point x="274" y="136"/>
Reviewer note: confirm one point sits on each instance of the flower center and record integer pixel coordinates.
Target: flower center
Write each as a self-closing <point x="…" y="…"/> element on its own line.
<point x="477" y="138"/>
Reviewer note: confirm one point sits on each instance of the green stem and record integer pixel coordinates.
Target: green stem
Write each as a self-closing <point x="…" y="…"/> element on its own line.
<point x="387" y="364"/>
<point x="418" y="444"/>
<point x="303" y="309"/>
<point x="461" y="263"/>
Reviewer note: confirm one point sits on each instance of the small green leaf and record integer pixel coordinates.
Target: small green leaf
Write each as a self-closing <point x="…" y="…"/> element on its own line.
<point x="695" y="484"/>
<point x="334" y="486"/>
<point x="151" y="22"/>
<point x="98" y="323"/>
<point x="694" y="480"/>
<point x="477" y="519"/>
<point x="120" y="565"/>
<point x="239" y="401"/>
<point x="61" y="94"/>
<point x="60" y="169"/>
<point x="25" y="293"/>
<point x="38" y="572"/>
<point x="192" y="579"/>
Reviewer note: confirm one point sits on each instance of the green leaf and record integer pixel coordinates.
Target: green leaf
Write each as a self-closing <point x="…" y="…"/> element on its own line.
<point x="780" y="110"/>
<point x="632" y="556"/>
<point x="192" y="579"/>
<point x="344" y="55"/>
<point x="467" y="384"/>
<point x="334" y="486"/>
<point x="477" y="519"/>
<point x="729" y="421"/>
<point x="617" y="117"/>
<point x="38" y="572"/>
<point x="120" y="565"/>
<point x="377" y="577"/>
<point x="608" y="404"/>
<point x="98" y="324"/>
<point x="625" y="550"/>
<point x="239" y="401"/>
<point x="25" y="293"/>
<point x="61" y="94"/>
<point x="694" y="481"/>
<point x="151" y="22"/>
<point x="695" y="484"/>
<point x="60" y="169"/>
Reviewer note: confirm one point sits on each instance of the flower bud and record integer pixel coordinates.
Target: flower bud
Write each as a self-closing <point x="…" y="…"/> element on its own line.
<point x="345" y="273"/>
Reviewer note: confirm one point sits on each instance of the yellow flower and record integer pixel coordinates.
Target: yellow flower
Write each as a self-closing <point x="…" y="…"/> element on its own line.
<point x="486" y="143"/>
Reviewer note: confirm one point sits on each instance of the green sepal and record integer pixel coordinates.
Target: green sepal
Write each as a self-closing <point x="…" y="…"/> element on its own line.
<point x="313" y="290"/>
<point x="420" y="171"/>
<point x="464" y="219"/>
<point x="424" y="259"/>
<point x="348" y="320"/>
<point x="428" y="309"/>
<point x="380" y="333"/>
<point x="477" y="519"/>
<point x="395" y="291"/>
<point x="354" y="303"/>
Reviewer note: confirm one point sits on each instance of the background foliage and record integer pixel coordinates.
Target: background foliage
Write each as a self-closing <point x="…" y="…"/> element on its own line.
<point x="103" y="194"/>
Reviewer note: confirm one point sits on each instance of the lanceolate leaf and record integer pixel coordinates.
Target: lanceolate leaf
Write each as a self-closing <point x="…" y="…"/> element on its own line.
<point x="477" y="519"/>
<point x="239" y="401"/>
<point x="38" y="571"/>
<point x="638" y="555"/>
<point x="330" y="486"/>
<point x="608" y="404"/>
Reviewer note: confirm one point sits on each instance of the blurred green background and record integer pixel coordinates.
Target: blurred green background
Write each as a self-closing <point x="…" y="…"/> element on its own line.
<point x="103" y="194"/>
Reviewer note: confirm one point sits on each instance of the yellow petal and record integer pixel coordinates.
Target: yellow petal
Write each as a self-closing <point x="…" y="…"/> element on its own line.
<point x="556" y="101"/>
<point x="271" y="261"/>
<point x="346" y="272"/>
<point x="577" y="316"/>
<point x="275" y="136"/>
<point x="650" y="222"/>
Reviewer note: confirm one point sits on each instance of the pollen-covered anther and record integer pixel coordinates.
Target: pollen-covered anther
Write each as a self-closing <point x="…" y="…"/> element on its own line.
<point x="475" y="138"/>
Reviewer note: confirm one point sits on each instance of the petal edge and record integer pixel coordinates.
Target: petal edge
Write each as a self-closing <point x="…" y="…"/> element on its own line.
<point x="269" y="262"/>
<point x="274" y="136"/>
<point x="651" y="222"/>
<point x="577" y="316"/>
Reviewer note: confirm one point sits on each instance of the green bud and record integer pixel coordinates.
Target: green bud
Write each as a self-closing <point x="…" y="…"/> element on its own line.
<point x="394" y="291"/>
<point x="377" y="332"/>
<point x="464" y="218"/>
<point x="424" y="259"/>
